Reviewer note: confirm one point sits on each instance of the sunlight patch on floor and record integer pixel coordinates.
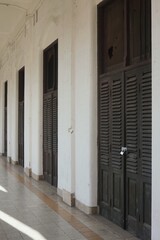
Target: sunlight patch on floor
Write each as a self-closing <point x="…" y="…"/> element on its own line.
<point x="3" y="189"/>
<point x="30" y="232"/>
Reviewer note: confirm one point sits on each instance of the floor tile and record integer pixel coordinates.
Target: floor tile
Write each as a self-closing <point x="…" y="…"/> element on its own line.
<point x="33" y="211"/>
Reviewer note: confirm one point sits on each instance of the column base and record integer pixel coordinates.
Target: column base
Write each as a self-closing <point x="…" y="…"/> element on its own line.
<point x="68" y="198"/>
<point x="14" y="162"/>
<point x="86" y="209"/>
<point x="28" y="171"/>
<point x="37" y="177"/>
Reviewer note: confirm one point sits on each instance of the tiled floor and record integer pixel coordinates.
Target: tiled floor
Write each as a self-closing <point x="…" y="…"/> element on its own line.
<point x="32" y="210"/>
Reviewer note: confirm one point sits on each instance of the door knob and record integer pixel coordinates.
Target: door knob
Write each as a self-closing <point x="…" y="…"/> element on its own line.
<point x="123" y="150"/>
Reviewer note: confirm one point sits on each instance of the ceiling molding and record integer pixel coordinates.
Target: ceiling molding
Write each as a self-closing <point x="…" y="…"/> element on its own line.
<point x="13" y="5"/>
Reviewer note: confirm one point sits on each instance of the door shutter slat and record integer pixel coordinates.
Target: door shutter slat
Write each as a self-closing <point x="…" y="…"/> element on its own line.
<point x="49" y="121"/>
<point x="104" y="123"/>
<point x="131" y="123"/>
<point x="45" y="141"/>
<point x="54" y="124"/>
<point x="146" y="103"/>
<point x="116" y="123"/>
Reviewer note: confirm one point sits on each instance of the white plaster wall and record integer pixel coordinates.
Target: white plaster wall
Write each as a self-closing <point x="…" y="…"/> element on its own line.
<point x="14" y="108"/>
<point x="155" y="120"/>
<point x="54" y="22"/>
<point x="86" y="103"/>
<point x="6" y="76"/>
<point x="1" y="115"/>
<point x="73" y="23"/>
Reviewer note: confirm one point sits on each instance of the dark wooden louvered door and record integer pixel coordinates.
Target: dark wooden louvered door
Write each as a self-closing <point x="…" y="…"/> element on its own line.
<point x="124" y="50"/>
<point x="125" y="120"/>
<point x="50" y="114"/>
<point x="21" y="117"/>
<point x="5" y="116"/>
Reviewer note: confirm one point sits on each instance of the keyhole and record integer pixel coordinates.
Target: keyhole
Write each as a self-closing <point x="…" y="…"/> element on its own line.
<point x="110" y="52"/>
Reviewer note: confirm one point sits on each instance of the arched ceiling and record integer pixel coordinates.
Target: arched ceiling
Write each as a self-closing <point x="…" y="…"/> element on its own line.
<point x="12" y="12"/>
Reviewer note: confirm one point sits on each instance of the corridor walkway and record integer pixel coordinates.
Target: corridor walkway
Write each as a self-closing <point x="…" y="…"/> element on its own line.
<point x="32" y="210"/>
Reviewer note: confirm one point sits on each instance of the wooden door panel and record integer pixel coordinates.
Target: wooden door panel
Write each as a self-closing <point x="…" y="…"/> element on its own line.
<point x="49" y="167"/>
<point x="138" y="159"/>
<point x="111" y="140"/>
<point x="139" y="35"/>
<point x="104" y="122"/>
<point x="146" y="153"/>
<point x="117" y="141"/>
<point x="113" y="34"/>
<point x="21" y="133"/>
<point x="47" y="137"/>
<point x="132" y="132"/>
<point x="55" y="140"/>
<point x="117" y="199"/>
<point x="5" y="131"/>
<point x="135" y="29"/>
<point x="104" y="147"/>
<point x="146" y="123"/>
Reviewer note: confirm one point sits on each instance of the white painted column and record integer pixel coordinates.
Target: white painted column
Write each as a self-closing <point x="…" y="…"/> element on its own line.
<point x="36" y="112"/>
<point x="14" y="109"/>
<point x="7" y="77"/>
<point x="66" y="110"/>
<point x="86" y="104"/>
<point x="27" y="109"/>
<point x="155" y="119"/>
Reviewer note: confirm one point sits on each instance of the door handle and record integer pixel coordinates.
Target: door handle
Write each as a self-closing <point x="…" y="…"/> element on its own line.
<point x="123" y="150"/>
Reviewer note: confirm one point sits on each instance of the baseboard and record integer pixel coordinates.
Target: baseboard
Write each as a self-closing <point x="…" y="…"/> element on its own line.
<point x="37" y="177"/>
<point x="67" y="197"/>
<point x="28" y="171"/>
<point x="86" y="209"/>
<point x="9" y="159"/>
<point x="60" y="192"/>
<point x="14" y="162"/>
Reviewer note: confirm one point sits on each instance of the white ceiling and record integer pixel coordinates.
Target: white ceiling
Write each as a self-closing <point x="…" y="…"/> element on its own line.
<point x="11" y="13"/>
